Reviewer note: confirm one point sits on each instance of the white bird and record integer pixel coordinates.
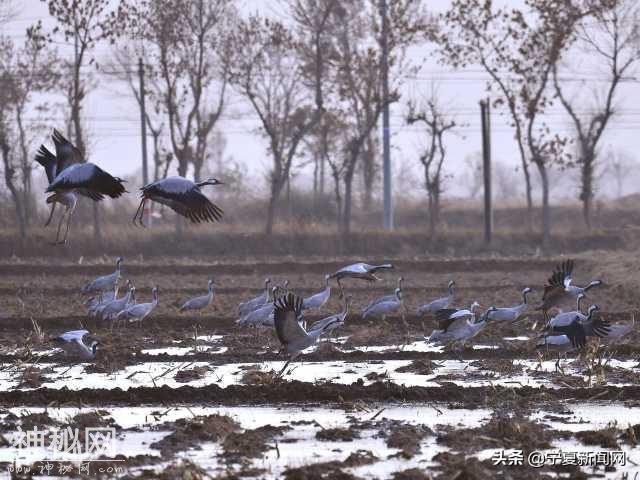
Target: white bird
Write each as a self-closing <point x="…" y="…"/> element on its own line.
<point x="386" y="306"/>
<point x="319" y="299"/>
<point x="104" y="283"/>
<point x="69" y="176"/>
<point x="183" y="197"/>
<point x="577" y="327"/>
<point x="511" y="314"/>
<point x="439" y="303"/>
<point x="111" y="310"/>
<point x="459" y="326"/>
<point x="72" y="343"/>
<point x="201" y="302"/>
<point x="250" y="305"/>
<point x="292" y="335"/>
<point x="140" y="311"/>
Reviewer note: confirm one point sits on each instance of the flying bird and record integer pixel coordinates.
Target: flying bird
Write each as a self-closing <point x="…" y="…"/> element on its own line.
<point x="577" y="326"/>
<point x="72" y="343"/>
<point x="183" y="197"/>
<point x="559" y="288"/>
<point x="360" y="270"/>
<point x="292" y="335"/>
<point x="69" y="176"/>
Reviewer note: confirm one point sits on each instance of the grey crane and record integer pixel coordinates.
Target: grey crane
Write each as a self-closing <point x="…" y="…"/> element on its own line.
<point x="250" y="305"/>
<point x="97" y="310"/>
<point x="386" y="306"/>
<point x="139" y="311"/>
<point x="559" y="288"/>
<point x="359" y="270"/>
<point x="292" y="335"/>
<point x="319" y="299"/>
<point x="97" y="301"/>
<point x="332" y="322"/>
<point x="511" y="314"/>
<point x="106" y="282"/>
<point x="69" y="176"/>
<point x="439" y="303"/>
<point x="111" y="310"/>
<point x="201" y="302"/>
<point x="577" y="327"/>
<point x="261" y="316"/>
<point x="183" y="197"/>
<point x="385" y="298"/>
<point x="73" y="344"/>
<point x="459" y="326"/>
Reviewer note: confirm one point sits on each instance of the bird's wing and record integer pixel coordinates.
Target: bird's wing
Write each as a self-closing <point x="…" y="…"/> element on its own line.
<point x="66" y="153"/>
<point x="375" y="268"/>
<point x="195" y="206"/>
<point x="88" y="176"/>
<point x="446" y="317"/>
<point x="596" y="327"/>
<point x="287" y="312"/>
<point x="73" y="335"/>
<point x="48" y="160"/>
<point x="576" y="333"/>
<point x="559" y="280"/>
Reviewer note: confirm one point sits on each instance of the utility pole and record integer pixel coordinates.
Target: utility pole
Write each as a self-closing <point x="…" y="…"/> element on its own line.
<point x="143" y="133"/>
<point x="386" y="140"/>
<point x="485" y="116"/>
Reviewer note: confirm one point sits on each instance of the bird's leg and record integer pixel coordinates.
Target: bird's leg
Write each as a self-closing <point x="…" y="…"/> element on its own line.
<point x="69" y="215"/>
<point x="285" y="367"/>
<point x="57" y="240"/>
<point x="139" y="212"/>
<point x="341" y="289"/>
<point x="144" y="202"/>
<point x="53" y="208"/>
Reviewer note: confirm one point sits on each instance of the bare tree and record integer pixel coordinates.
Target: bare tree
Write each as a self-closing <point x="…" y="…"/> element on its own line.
<point x="612" y="35"/>
<point x="85" y="23"/>
<point x="519" y="51"/>
<point x="267" y="71"/>
<point x="436" y="124"/>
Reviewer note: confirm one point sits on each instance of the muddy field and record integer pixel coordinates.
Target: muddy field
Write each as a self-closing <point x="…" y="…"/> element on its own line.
<point x="195" y="396"/>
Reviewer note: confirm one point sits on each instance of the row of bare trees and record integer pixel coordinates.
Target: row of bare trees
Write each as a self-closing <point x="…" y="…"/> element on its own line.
<point x="314" y="82"/>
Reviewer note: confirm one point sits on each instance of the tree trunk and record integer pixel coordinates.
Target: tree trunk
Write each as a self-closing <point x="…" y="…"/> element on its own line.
<point x="546" y="211"/>
<point x="432" y="218"/>
<point x="348" y="199"/>
<point x="586" y="194"/>
<point x="368" y="174"/>
<point x="8" y="176"/>
<point x="527" y="183"/>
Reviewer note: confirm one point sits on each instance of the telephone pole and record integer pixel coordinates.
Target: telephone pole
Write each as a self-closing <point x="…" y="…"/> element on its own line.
<point x="386" y="140"/>
<point x="485" y="116"/>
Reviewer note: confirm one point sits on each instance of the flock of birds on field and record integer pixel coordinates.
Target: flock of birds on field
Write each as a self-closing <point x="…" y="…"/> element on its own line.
<point x="281" y="309"/>
<point x="277" y="307"/>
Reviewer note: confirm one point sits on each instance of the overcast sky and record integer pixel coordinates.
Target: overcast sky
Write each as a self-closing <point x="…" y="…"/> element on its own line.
<point x="113" y="119"/>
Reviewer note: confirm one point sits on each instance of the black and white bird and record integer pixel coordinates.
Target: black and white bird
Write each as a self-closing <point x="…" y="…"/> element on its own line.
<point x="73" y="344"/>
<point x="201" y="302"/>
<point x="138" y="312"/>
<point x="459" y="325"/>
<point x="69" y="176"/>
<point x="319" y="299"/>
<point x="106" y="282"/>
<point x="511" y="314"/>
<point x="250" y="305"/>
<point x="577" y="326"/>
<point x="439" y="303"/>
<point x="559" y="288"/>
<point x="183" y="197"/>
<point x="292" y="335"/>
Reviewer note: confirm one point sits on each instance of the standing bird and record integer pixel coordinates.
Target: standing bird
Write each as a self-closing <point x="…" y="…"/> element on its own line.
<point x="332" y="322"/>
<point x="199" y="303"/>
<point x="73" y="344"/>
<point x="111" y="310"/>
<point x="577" y="327"/>
<point x="69" y="177"/>
<point x="250" y="305"/>
<point x="319" y="299"/>
<point x="293" y="337"/>
<point x="559" y="288"/>
<point x="439" y="303"/>
<point x="261" y="316"/>
<point x="511" y="314"/>
<point x="104" y="283"/>
<point x="360" y="270"/>
<point x="140" y="311"/>
<point x="386" y="306"/>
<point x="183" y="197"/>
